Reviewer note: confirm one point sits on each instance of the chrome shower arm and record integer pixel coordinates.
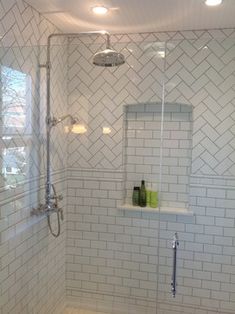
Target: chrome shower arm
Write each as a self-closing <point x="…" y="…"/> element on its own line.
<point x="73" y="35"/>
<point x="72" y="119"/>
<point x="54" y="121"/>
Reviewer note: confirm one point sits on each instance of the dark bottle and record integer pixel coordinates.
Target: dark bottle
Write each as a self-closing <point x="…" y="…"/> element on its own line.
<point x="143" y="199"/>
<point x="136" y="196"/>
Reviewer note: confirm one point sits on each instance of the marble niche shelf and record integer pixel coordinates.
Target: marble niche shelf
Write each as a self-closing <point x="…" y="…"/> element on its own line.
<point x="161" y="210"/>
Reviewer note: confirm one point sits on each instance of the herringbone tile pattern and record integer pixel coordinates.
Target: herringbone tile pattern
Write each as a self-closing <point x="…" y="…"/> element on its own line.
<point x="198" y="73"/>
<point x="21" y="25"/>
<point x="23" y="31"/>
<point x="201" y="73"/>
<point x="97" y="96"/>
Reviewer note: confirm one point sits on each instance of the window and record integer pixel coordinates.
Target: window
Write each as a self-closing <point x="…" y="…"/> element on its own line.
<point x="16" y="127"/>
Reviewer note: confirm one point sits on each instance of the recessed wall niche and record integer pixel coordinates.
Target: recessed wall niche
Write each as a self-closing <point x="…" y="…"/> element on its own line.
<point x="145" y="143"/>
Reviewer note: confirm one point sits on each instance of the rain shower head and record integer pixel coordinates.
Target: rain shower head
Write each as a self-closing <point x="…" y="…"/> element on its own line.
<point x="108" y="57"/>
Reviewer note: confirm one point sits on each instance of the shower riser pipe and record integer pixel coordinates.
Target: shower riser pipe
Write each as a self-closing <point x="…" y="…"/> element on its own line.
<point x="48" y="104"/>
<point x="51" y="197"/>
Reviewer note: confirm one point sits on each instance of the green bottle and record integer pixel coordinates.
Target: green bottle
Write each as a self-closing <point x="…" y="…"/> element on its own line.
<point x="136" y="196"/>
<point x="154" y="199"/>
<point x="148" y="198"/>
<point x="143" y="194"/>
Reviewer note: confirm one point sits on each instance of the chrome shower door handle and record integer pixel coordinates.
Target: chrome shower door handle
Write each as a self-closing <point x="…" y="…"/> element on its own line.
<point x="175" y="244"/>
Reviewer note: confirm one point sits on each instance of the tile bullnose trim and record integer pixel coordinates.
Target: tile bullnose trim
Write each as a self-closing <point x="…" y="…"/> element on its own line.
<point x="20" y="194"/>
<point x="94" y="179"/>
<point x="77" y="169"/>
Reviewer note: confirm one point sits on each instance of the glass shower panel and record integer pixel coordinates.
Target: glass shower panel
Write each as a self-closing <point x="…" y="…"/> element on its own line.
<point x="112" y="247"/>
<point x="198" y="178"/>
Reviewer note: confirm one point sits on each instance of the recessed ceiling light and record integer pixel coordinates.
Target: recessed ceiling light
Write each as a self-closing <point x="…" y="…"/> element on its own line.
<point x="100" y="10"/>
<point x="213" y="2"/>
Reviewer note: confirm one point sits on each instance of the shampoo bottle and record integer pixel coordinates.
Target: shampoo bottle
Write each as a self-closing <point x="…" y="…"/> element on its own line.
<point x="142" y="194"/>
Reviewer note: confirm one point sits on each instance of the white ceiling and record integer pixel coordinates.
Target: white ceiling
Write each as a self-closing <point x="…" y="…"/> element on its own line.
<point x="137" y="15"/>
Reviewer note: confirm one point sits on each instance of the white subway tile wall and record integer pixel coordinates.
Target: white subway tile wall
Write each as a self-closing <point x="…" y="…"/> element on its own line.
<point x="119" y="261"/>
<point x="126" y="255"/>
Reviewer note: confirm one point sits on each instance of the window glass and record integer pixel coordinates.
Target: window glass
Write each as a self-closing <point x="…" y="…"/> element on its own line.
<point x="16" y="125"/>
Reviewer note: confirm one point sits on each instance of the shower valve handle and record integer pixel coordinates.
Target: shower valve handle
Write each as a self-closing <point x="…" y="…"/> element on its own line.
<point x="57" y="197"/>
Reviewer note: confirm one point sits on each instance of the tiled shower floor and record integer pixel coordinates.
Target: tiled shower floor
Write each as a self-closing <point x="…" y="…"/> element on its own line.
<point x="76" y="311"/>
